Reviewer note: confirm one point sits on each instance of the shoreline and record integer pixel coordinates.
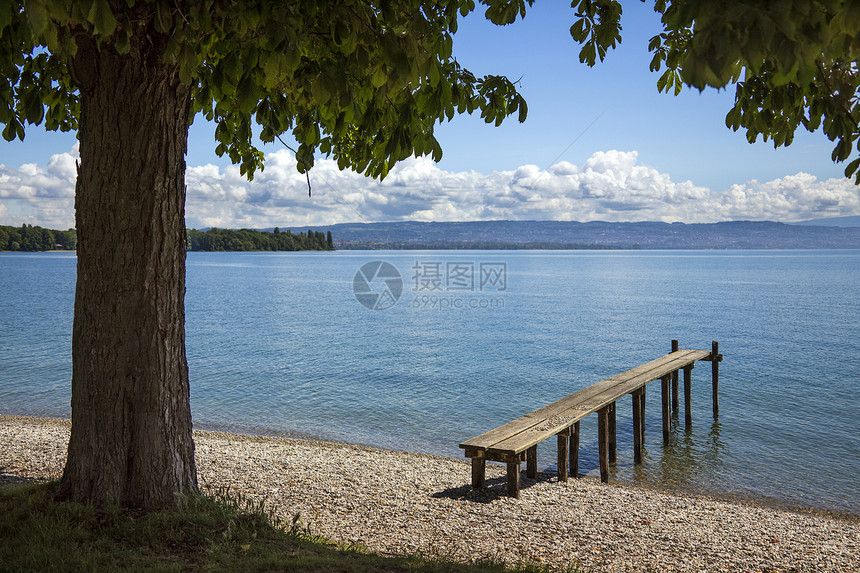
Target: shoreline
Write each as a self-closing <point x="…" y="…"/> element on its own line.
<point x="392" y="502"/>
<point x="268" y="433"/>
<point x="726" y="496"/>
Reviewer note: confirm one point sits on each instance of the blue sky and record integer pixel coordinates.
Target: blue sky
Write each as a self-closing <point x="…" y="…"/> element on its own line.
<point x="599" y="143"/>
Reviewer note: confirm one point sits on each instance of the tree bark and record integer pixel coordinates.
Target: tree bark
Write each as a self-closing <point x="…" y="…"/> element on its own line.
<point x="131" y="441"/>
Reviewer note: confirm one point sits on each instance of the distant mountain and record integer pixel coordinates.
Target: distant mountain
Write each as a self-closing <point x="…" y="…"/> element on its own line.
<point x="833" y="222"/>
<point x="591" y="235"/>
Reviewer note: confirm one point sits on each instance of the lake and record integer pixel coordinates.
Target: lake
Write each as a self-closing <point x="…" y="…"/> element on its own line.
<point x="327" y="345"/>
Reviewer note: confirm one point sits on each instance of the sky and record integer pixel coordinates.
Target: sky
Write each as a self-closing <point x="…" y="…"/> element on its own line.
<point x="599" y="144"/>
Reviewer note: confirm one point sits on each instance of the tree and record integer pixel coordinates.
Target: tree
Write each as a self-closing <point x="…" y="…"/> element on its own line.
<point x="363" y="81"/>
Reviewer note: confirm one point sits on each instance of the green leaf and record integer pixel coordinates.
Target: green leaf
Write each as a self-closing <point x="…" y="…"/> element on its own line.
<point x="379" y="77"/>
<point x="272" y="69"/>
<point x="37" y="14"/>
<point x="232" y="67"/>
<point x="437" y="149"/>
<point x="851" y="168"/>
<point x="187" y="61"/>
<point x="587" y="54"/>
<point x="163" y="17"/>
<point x="102" y="18"/>
<point x="121" y="43"/>
<point x="246" y="93"/>
<point x="577" y="31"/>
<point x="664" y="82"/>
<point x="6" y="13"/>
<point x="12" y="129"/>
<point x="34" y="112"/>
<point x="733" y="118"/>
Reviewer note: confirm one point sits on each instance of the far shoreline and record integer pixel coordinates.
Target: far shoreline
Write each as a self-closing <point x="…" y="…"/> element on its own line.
<point x="657" y="487"/>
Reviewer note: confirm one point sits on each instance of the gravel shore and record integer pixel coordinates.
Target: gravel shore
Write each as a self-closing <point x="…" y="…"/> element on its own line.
<point x="396" y="502"/>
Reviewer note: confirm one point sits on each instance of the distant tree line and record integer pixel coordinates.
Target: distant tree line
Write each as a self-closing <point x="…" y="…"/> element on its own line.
<point x="250" y="240"/>
<point x="30" y="238"/>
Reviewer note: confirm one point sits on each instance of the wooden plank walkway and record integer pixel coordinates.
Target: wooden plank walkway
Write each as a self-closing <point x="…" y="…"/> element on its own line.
<point x="517" y="440"/>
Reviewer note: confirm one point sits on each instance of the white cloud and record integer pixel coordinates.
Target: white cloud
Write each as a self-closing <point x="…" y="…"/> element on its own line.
<point x="610" y="186"/>
<point x="39" y="195"/>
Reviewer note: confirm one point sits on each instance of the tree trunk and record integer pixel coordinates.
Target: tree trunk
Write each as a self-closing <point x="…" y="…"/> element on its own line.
<point x="131" y="440"/>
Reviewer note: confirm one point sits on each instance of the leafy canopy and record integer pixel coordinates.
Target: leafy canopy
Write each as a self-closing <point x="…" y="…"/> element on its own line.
<point x="793" y="62"/>
<point x="365" y="81"/>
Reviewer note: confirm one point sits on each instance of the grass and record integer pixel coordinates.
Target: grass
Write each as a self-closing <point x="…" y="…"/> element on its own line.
<point x="208" y="533"/>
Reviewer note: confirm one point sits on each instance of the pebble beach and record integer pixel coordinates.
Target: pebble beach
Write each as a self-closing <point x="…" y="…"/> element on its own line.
<point x="393" y="502"/>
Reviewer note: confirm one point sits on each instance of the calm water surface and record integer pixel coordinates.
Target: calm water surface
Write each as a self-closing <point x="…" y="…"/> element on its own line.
<point x="278" y="343"/>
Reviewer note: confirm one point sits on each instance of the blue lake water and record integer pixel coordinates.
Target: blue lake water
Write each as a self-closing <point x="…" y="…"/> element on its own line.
<point x="278" y="343"/>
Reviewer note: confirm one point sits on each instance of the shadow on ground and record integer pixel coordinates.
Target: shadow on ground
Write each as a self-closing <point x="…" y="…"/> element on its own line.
<point x="494" y="488"/>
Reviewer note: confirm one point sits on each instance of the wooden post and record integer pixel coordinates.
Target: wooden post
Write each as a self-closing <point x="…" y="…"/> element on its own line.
<point x="688" y="390"/>
<point x="514" y="477"/>
<point x="479" y="466"/>
<point x="613" y="448"/>
<point x="603" y="442"/>
<point x="574" y="450"/>
<point x="562" y="454"/>
<point x="642" y="417"/>
<point x="715" y="376"/>
<point x="531" y="462"/>
<point x="637" y="426"/>
<point x="674" y="381"/>
<point x="664" y="385"/>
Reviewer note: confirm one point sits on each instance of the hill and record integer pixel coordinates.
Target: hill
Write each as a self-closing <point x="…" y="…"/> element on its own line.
<point x="591" y="235"/>
<point x="853" y="221"/>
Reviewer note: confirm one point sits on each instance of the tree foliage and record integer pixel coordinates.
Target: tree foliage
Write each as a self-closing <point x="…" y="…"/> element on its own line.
<point x="793" y="63"/>
<point x="363" y="81"/>
<point x="30" y="238"/>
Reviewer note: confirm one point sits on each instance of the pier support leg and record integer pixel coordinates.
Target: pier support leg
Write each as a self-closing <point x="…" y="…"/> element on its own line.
<point x="674" y="382"/>
<point x="562" y="454"/>
<point x="642" y="416"/>
<point x="603" y="442"/>
<point x="688" y="391"/>
<point x="664" y="384"/>
<point x="613" y="447"/>
<point x="479" y="470"/>
<point x="574" y="450"/>
<point x="531" y="462"/>
<point x="514" y="478"/>
<point x="637" y="426"/>
<point x="715" y="376"/>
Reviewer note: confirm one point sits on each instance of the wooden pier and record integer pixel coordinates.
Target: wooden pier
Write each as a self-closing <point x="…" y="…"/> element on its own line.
<point x="517" y="440"/>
